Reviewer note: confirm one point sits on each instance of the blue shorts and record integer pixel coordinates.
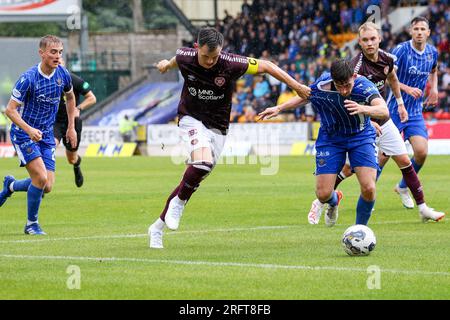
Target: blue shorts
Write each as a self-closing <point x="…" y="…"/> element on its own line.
<point x="28" y="150"/>
<point x="331" y="155"/>
<point x="412" y="127"/>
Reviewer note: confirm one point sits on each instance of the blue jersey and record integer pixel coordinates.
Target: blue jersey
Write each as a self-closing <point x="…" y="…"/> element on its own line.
<point x="334" y="117"/>
<point x="414" y="67"/>
<point x="39" y="95"/>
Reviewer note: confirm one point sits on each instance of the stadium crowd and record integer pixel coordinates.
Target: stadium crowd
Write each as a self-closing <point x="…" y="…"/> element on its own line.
<point x="304" y="37"/>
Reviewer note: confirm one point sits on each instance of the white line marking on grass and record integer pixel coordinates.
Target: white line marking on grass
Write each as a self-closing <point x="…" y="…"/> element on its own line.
<point x="141" y="235"/>
<point x="224" y="264"/>
<point x="119" y="236"/>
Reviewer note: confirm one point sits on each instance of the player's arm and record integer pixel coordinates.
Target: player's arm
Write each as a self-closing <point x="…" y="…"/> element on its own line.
<point x="72" y="112"/>
<point x="264" y="66"/>
<point x="13" y="114"/>
<point x="395" y="87"/>
<point x="83" y="87"/>
<point x="416" y="93"/>
<point x="274" y="111"/>
<point x="432" y="98"/>
<point x="89" y="100"/>
<point x="376" y="109"/>
<point x="165" y="65"/>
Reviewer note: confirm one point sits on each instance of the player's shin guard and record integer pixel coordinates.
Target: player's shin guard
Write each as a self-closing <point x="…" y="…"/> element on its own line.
<point x="364" y="210"/>
<point x="194" y="174"/>
<point x="412" y="181"/>
<point x="34" y="197"/>
<point x="333" y="201"/>
<point x="172" y="195"/>
<point x="22" y="185"/>
<point x="416" y="167"/>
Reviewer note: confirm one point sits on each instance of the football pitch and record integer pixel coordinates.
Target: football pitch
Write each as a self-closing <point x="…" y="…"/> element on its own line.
<point x="243" y="235"/>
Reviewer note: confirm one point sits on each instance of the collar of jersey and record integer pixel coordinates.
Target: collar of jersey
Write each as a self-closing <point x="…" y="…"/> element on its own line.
<point x="323" y="82"/>
<point x="418" y="52"/>
<point x="43" y="74"/>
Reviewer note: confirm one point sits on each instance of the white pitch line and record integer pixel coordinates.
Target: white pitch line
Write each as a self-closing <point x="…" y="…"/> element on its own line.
<point x="141" y="235"/>
<point x="118" y="236"/>
<point x="224" y="264"/>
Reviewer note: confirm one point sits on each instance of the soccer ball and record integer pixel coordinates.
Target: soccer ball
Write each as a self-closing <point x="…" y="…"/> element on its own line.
<point x="358" y="240"/>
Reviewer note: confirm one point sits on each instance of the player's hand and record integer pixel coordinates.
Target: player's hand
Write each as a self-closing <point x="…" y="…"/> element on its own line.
<point x="432" y="98"/>
<point x="354" y="108"/>
<point x="416" y="93"/>
<point x="163" y="65"/>
<point x="269" y="113"/>
<point x="71" y="136"/>
<point x="303" y="91"/>
<point x="402" y="113"/>
<point x="35" y="134"/>
<point x="377" y="128"/>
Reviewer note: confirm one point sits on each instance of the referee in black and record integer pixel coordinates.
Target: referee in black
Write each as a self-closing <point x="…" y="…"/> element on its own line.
<point x="80" y="88"/>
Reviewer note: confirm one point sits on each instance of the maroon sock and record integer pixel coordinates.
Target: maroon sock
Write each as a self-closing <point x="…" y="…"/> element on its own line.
<point x="413" y="183"/>
<point x="172" y="195"/>
<point x="191" y="180"/>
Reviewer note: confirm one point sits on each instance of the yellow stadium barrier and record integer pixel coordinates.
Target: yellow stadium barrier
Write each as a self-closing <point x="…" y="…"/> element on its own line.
<point x="303" y="148"/>
<point x="111" y="150"/>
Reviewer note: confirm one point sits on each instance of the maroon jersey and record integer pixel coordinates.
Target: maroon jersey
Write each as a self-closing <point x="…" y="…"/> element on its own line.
<point x="207" y="93"/>
<point x="375" y="71"/>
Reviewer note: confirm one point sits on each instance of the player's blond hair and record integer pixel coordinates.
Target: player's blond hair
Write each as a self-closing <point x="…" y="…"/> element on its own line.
<point x="369" y="25"/>
<point x="47" y="40"/>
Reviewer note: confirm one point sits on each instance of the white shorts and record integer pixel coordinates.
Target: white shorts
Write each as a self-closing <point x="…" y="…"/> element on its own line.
<point x="195" y="135"/>
<point x="391" y="142"/>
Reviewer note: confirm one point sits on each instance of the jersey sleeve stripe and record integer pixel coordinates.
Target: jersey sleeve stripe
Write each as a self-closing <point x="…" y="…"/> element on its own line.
<point x="71" y="89"/>
<point x="16" y="100"/>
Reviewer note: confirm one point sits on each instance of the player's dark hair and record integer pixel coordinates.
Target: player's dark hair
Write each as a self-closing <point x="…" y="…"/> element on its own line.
<point x="419" y="19"/>
<point x="211" y="37"/>
<point x="48" y="39"/>
<point x="341" y="70"/>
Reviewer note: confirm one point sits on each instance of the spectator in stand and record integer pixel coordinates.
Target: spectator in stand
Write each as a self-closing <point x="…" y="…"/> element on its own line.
<point x="261" y="93"/>
<point x="297" y="32"/>
<point x="443" y="45"/>
<point x="126" y="128"/>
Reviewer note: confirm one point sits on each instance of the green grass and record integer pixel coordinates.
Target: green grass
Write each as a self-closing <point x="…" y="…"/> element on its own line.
<point x="219" y="252"/>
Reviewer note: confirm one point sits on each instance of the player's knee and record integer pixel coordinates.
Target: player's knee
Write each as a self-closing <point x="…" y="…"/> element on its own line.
<point x="40" y="181"/>
<point x="368" y="191"/>
<point x="323" y="194"/>
<point x="72" y="160"/>
<point x="48" y="188"/>
<point x="204" y="166"/>
<point x="402" y="161"/>
<point x="420" y="155"/>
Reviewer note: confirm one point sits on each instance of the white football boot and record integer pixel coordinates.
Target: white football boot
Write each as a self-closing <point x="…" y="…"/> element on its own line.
<point x="174" y="213"/>
<point x="427" y="213"/>
<point x="315" y="212"/>
<point x="155" y="236"/>
<point x="407" y="201"/>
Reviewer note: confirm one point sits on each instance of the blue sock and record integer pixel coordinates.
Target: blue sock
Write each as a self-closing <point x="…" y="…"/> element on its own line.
<point x="416" y="167"/>
<point x="333" y="200"/>
<point x="363" y="210"/>
<point x="22" y="185"/>
<point x="379" y="171"/>
<point x="34" y="197"/>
